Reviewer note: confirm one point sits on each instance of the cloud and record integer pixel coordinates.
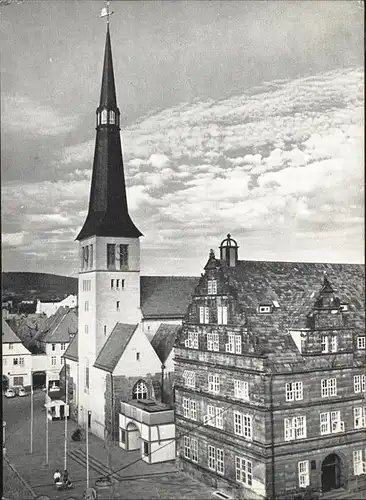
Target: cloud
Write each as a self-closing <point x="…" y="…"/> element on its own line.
<point x="21" y="113"/>
<point x="272" y="167"/>
<point x="13" y="239"/>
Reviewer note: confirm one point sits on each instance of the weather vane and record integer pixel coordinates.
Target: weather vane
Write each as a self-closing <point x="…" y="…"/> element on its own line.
<point x="106" y="13"/>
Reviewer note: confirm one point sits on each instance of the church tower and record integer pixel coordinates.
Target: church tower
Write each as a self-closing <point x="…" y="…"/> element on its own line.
<point x="109" y="274"/>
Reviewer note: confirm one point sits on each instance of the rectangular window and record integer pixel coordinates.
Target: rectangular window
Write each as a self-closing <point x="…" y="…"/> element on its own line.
<point x="117" y="284"/>
<point x="53" y="360"/>
<point x="243" y="425"/>
<point x="18" y="380"/>
<point x="146" y="448"/>
<point x="328" y="387"/>
<point x="118" y="304"/>
<point x="212" y="287"/>
<point x="21" y="361"/>
<point x="86" y="306"/>
<point x="11" y="346"/>
<point x="215" y="417"/>
<point x="294" y="391"/>
<point x="187" y="447"/>
<point x="86" y="285"/>
<point x="192" y="340"/>
<point x="63" y="346"/>
<point x="204" y="314"/>
<point x="219" y="461"/>
<point x="111" y="256"/>
<point x="241" y="389"/>
<point x="194" y="450"/>
<point x="189" y="379"/>
<point x="243" y="468"/>
<point x="222" y="315"/>
<point x="123" y="256"/>
<point x="15" y="361"/>
<point x="324" y="343"/>
<point x="324" y="423"/>
<point x="213" y="383"/>
<point x="190" y="448"/>
<point x="361" y="342"/>
<point x="86" y="329"/>
<point x="359" y="383"/>
<point x="185" y="405"/>
<point x="234" y="344"/>
<point x="358" y="465"/>
<point x="359" y="417"/>
<point x="333" y="343"/>
<point x="335" y="421"/>
<point x="91" y="256"/>
<point x="193" y="409"/>
<point x="122" y="436"/>
<point x="53" y="347"/>
<point x="112" y="284"/>
<point x="137" y="356"/>
<point x="303" y="473"/>
<point x="123" y="284"/>
<point x="295" y="428"/>
<point x="211" y="457"/>
<point x="86" y="375"/>
<point x="212" y="341"/>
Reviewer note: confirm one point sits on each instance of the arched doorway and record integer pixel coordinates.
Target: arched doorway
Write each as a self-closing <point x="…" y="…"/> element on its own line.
<point x="331" y="472"/>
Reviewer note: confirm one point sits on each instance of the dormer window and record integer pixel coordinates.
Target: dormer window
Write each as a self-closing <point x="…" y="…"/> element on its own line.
<point x="361" y="342"/>
<point x="112" y="117"/>
<point x="104" y="116"/>
<point x="212" y="287"/>
<point x="264" y="309"/>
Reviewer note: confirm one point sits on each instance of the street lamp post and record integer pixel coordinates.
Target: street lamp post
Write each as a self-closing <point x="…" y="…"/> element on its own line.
<point x="31" y="430"/>
<point x="87" y="447"/>
<point x="47" y="401"/>
<point x="65" y="415"/>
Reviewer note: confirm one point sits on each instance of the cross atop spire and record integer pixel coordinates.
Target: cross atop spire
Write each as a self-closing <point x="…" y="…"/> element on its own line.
<point x="106" y="12"/>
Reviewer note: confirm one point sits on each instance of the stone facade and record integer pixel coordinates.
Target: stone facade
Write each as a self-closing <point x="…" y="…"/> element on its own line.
<point x="289" y="340"/>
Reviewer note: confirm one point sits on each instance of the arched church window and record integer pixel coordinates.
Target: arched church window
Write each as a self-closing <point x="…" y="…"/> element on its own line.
<point x="104" y="116"/>
<point x="112" y="117"/>
<point x="139" y="391"/>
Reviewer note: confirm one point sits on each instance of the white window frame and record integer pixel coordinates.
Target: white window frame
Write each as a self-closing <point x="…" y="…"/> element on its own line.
<point x="234" y="344"/>
<point x="294" y="391"/>
<point x="189" y="378"/>
<point x="194" y="450"/>
<point x="53" y="360"/>
<point x="21" y="361"/>
<point x="303" y="473"/>
<point x="187" y="447"/>
<point x="324" y="423"/>
<point x="213" y="383"/>
<point x="359" y="417"/>
<point x="220" y="461"/>
<point x="359" y="383"/>
<point x="361" y="342"/>
<point x="295" y="428"/>
<point x="211" y="287"/>
<point x="333" y="343"/>
<point x="211" y="456"/>
<point x="241" y="389"/>
<point x="328" y="387"/>
<point x="358" y="466"/>
<point x="244" y="471"/>
<point x="204" y="315"/>
<point x="192" y="340"/>
<point x="185" y="406"/>
<point x="243" y="425"/>
<point x="193" y="409"/>
<point x="222" y="315"/>
<point x="213" y="342"/>
<point x="324" y="340"/>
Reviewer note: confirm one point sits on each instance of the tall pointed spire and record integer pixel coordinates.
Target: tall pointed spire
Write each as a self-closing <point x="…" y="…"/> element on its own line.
<point x="108" y="211"/>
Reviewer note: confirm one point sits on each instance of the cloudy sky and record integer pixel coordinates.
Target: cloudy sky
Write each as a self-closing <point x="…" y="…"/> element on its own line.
<point x="243" y="117"/>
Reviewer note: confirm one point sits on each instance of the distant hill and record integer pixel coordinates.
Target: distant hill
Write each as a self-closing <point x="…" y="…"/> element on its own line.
<point x="31" y="286"/>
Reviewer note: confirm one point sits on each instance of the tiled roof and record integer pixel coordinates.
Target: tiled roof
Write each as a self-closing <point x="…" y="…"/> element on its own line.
<point x="166" y="296"/>
<point x="8" y="335"/>
<point x="72" y="350"/>
<point x="58" y="327"/>
<point x="163" y="340"/>
<point x="114" y="347"/>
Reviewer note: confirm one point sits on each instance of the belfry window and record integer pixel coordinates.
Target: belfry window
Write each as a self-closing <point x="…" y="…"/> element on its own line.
<point x="104" y="117"/>
<point x="123" y="256"/>
<point x="111" y="256"/>
<point x="112" y="117"/>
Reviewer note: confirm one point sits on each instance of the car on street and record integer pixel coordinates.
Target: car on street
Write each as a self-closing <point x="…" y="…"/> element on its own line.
<point x="10" y="393"/>
<point x="22" y="392"/>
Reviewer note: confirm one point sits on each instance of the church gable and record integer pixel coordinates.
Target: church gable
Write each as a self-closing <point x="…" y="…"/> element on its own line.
<point x="138" y="357"/>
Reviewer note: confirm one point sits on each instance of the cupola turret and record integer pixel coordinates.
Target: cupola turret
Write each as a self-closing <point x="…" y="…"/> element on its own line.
<point x="229" y="251"/>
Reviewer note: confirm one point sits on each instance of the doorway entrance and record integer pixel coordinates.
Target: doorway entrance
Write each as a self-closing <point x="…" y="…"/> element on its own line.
<point x="331" y="472"/>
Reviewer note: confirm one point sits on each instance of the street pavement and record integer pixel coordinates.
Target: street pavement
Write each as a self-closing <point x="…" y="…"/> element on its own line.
<point x="133" y="478"/>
